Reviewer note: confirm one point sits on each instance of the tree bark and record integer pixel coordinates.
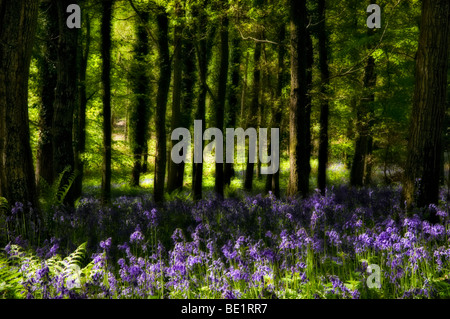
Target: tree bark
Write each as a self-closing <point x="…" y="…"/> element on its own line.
<point x="324" y="105"/>
<point x="161" y="105"/>
<point x="233" y="98"/>
<point x="17" y="31"/>
<point x="273" y="180"/>
<point x="244" y="90"/>
<point x="361" y="169"/>
<point x="140" y="108"/>
<point x="425" y="134"/>
<point x="264" y="86"/>
<point x="80" y="114"/>
<point x="65" y="101"/>
<point x="174" y="171"/>
<point x="299" y="150"/>
<point x="306" y="167"/>
<point x="47" y="68"/>
<point x="252" y="116"/>
<point x="106" y="81"/>
<point x="360" y="172"/>
<point x="203" y="56"/>
<point x="221" y="95"/>
<point x="188" y="95"/>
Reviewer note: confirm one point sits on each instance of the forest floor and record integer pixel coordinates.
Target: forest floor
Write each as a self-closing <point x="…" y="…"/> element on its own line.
<point x="246" y="246"/>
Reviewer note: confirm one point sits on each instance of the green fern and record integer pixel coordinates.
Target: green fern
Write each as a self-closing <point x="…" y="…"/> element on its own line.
<point x="178" y="195"/>
<point x="69" y="268"/>
<point x="55" y="193"/>
<point x="4" y="204"/>
<point x="10" y="281"/>
<point x="4" y="207"/>
<point x="64" y="189"/>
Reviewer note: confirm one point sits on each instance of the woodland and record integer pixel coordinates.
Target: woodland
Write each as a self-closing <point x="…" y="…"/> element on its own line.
<point x="92" y="204"/>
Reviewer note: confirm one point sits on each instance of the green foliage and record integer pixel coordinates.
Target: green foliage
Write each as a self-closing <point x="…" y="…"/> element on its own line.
<point x="53" y="195"/>
<point x="394" y="47"/>
<point x="10" y="280"/>
<point x="4" y="204"/>
<point x="4" y="208"/>
<point x="442" y="286"/>
<point x="180" y="195"/>
<point x="22" y="265"/>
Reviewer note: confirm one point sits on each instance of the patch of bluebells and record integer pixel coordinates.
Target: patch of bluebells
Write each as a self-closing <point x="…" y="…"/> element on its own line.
<point x="230" y="248"/>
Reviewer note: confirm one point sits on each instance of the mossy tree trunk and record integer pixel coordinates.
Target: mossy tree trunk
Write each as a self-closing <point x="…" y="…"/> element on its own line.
<point x="17" y="32"/>
<point x="421" y="175"/>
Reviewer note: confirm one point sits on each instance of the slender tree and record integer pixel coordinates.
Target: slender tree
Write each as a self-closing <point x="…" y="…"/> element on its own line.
<point x="17" y="31"/>
<point x="360" y="173"/>
<point x="48" y="77"/>
<point x="65" y="101"/>
<point x="107" y="6"/>
<point x="324" y="105"/>
<point x="299" y="150"/>
<point x="221" y="92"/>
<point x="252" y="115"/>
<point x="425" y="134"/>
<point x="80" y="113"/>
<point x="161" y="104"/>
<point x="233" y="96"/>
<point x="174" y="171"/>
<point x="273" y="180"/>
<point x="306" y="153"/>
<point x="205" y="34"/>
<point x="264" y="87"/>
<point x="140" y="108"/>
<point x="188" y="86"/>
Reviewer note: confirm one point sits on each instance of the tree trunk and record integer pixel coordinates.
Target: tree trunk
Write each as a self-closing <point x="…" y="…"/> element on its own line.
<point x="273" y="180"/>
<point x="145" y="157"/>
<point x="140" y="108"/>
<point x="47" y="68"/>
<point x="106" y="81"/>
<point x="244" y="90"/>
<point x="18" y="26"/>
<point x="80" y="117"/>
<point x="306" y="167"/>
<point x="173" y="177"/>
<point x="188" y="95"/>
<point x="203" y="56"/>
<point x="360" y="173"/>
<point x="161" y="105"/>
<point x="221" y="96"/>
<point x="233" y="97"/>
<point x="65" y="101"/>
<point x="252" y="116"/>
<point x="360" y="167"/>
<point x="264" y="86"/>
<point x="324" y="105"/>
<point x="298" y="155"/>
<point x="425" y="135"/>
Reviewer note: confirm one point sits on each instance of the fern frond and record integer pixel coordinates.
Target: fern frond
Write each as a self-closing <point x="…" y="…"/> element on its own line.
<point x="21" y="264"/>
<point x="4" y="204"/>
<point x="55" y="193"/>
<point x="64" y="189"/>
<point x="77" y="257"/>
<point x="10" y="280"/>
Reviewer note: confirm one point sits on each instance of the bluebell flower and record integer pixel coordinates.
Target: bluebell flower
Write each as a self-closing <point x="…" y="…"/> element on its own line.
<point x="106" y="245"/>
<point x="137" y="237"/>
